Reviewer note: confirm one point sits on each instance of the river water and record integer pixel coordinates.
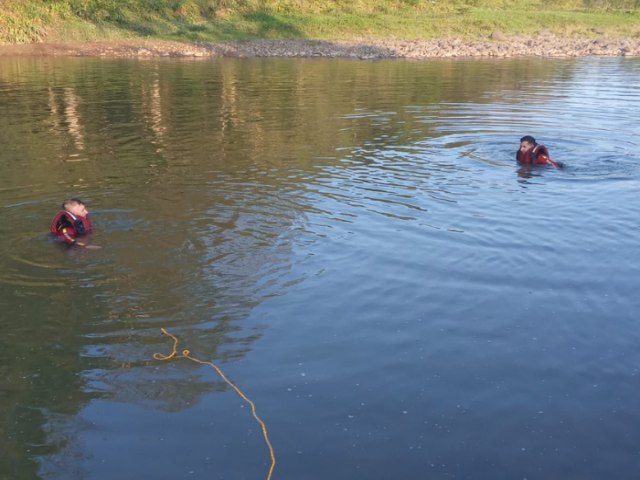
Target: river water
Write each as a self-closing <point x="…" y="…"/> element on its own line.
<point x="351" y="243"/>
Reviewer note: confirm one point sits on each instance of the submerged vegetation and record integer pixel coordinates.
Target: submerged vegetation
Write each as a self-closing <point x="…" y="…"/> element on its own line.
<point x="23" y="21"/>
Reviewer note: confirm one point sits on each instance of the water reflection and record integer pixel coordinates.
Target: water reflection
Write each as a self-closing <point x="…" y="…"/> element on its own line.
<point x="356" y="218"/>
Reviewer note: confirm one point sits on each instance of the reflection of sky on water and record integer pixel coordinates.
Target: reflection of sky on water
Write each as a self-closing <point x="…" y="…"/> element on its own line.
<point x="358" y="238"/>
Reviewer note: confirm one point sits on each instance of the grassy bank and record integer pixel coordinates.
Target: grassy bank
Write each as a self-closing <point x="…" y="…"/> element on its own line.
<point x="23" y="21"/>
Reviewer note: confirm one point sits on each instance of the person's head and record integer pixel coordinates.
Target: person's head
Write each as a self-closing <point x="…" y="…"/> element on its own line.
<point x="75" y="206"/>
<point x="527" y="142"/>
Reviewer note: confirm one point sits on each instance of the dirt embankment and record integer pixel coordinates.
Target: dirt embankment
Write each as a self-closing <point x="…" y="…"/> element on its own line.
<point x="495" y="46"/>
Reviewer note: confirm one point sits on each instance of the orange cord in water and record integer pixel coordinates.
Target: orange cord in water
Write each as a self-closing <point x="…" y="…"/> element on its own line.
<point x="187" y="354"/>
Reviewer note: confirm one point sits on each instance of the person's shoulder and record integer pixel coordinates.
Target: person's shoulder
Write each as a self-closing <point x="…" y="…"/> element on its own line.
<point x="59" y="216"/>
<point x="542" y="149"/>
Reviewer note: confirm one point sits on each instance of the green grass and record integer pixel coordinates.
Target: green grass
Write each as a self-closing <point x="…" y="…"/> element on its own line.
<point x="213" y="20"/>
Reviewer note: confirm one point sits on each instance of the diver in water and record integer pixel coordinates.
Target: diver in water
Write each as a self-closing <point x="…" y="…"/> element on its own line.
<point x="530" y="153"/>
<point x="72" y="222"/>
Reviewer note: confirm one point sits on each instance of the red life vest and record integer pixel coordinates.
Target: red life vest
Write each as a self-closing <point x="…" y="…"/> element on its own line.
<point x="66" y="226"/>
<point x="536" y="155"/>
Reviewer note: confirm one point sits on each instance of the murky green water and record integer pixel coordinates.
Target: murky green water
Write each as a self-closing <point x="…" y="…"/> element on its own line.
<point x="351" y="242"/>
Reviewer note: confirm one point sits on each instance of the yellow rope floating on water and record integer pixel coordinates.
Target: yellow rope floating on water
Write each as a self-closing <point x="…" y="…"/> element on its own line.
<point x="187" y="354"/>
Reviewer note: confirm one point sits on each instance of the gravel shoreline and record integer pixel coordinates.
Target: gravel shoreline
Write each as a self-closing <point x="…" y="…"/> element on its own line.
<point x="497" y="45"/>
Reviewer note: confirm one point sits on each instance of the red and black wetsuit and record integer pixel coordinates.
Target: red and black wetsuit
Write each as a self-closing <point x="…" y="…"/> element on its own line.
<point x="66" y="227"/>
<point x="536" y="155"/>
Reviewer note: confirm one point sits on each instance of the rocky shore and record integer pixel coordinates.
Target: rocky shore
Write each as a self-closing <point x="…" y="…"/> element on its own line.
<point x="497" y="45"/>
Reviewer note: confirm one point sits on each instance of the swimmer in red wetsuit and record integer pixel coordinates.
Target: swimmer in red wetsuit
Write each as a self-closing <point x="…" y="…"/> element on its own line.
<point x="72" y="222"/>
<point x="530" y="153"/>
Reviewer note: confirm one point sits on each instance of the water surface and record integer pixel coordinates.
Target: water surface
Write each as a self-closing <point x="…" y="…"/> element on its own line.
<point x="351" y="242"/>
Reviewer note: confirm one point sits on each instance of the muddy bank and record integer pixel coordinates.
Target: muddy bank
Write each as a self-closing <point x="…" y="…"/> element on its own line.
<point x="444" y="48"/>
<point x="495" y="46"/>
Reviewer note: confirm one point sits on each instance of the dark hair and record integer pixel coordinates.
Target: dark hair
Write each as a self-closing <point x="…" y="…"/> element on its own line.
<point x="528" y="138"/>
<point x="69" y="201"/>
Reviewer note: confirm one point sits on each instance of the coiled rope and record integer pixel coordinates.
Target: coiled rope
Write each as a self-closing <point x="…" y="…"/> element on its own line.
<point x="187" y="354"/>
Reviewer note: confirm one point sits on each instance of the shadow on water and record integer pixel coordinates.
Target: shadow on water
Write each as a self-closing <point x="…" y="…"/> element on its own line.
<point x="94" y="317"/>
